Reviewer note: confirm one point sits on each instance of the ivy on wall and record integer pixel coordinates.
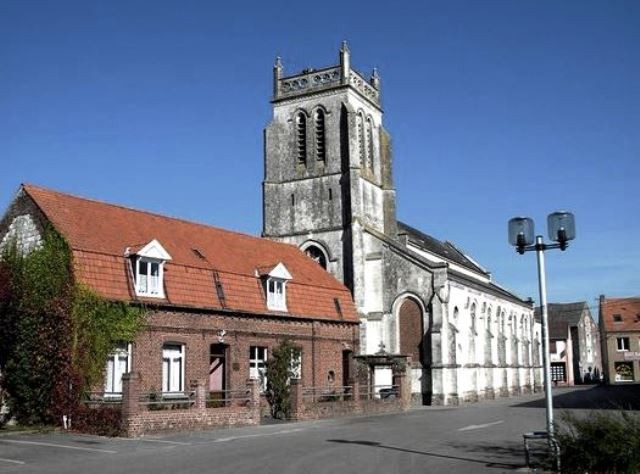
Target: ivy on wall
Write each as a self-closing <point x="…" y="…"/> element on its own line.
<point x="56" y="334"/>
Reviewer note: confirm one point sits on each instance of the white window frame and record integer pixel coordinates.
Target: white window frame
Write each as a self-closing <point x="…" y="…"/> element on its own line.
<point x="622" y="344"/>
<point x="258" y="364"/>
<point x="276" y="294"/>
<point x="113" y="377"/>
<point x="153" y="284"/>
<point x="172" y="379"/>
<point x="295" y="365"/>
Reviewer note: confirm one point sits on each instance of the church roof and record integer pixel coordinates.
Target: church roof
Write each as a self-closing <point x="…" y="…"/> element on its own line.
<point x="102" y="235"/>
<point x="445" y="250"/>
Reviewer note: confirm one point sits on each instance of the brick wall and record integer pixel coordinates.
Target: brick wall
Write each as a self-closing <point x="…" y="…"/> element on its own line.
<point x="322" y="345"/>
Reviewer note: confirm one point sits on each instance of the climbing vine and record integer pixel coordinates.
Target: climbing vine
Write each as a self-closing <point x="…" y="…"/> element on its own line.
<point x="56" y="334"/>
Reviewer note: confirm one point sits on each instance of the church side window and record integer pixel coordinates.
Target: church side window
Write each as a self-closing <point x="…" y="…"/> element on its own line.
<point x="369" y="149"/>
<point x="321" y="149"/>
<point x="301" y="137"/>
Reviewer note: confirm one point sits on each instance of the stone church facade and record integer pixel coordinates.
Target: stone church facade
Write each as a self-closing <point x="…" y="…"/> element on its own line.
<point x="328" y="189"/>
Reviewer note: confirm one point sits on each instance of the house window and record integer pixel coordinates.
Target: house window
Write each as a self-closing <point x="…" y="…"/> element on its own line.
<point x="623" y="344"/>
<point x="257" y="364"/>
<point x="118" y="363"/>
<point x="295" y="365"/>
<point x="173" y="368"/>
<point x="320" y="136"/>
<point x="301" y="137"/>
<point x="624" y="371"/>
<point x="617" y="318"/>
<point x="149" y="277"/>
<point x="558" y="372"/>
<point x="276" y="294"/>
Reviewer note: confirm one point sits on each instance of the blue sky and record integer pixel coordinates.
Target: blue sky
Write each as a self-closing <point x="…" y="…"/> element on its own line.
<point x="496" y="109"/>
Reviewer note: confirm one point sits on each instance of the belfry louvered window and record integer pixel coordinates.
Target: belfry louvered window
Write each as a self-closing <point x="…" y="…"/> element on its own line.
<point x="320" y="135"/>
<point x="301" y="137"/>
<point x="369" y="144"/>
<point x="360" y="133"/>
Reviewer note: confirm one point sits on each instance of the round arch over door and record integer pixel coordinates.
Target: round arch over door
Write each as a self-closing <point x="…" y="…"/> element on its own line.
<point x="411" y="329"/>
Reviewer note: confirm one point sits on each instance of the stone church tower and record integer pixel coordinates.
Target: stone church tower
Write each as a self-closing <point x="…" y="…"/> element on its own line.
<point x="328" y="189"/>
<point x="328" y="167"/>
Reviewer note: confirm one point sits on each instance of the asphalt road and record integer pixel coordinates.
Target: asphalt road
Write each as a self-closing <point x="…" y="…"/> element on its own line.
<point x="484" y="437"/>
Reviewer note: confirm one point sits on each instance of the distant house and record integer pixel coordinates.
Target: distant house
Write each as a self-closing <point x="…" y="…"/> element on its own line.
<point x="620" y="333"/>
<point x="218" y="301"/>
<point x="574" y="344"/>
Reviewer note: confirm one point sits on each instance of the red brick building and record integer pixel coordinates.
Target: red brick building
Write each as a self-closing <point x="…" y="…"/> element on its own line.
<point x="620" y="336"/>
<point x="218" y="301"/>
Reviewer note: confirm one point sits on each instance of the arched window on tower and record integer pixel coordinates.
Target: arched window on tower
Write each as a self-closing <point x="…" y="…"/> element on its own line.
<point x="360" y="132"/>
<point x="369" y="143"/>
<point x="301" y="138"/>
<point x="321" y="149"/>
<point x="317" y="255"/>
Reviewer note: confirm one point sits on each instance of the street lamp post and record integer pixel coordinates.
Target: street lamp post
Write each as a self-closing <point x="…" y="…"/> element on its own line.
<point x="561" y="229"/>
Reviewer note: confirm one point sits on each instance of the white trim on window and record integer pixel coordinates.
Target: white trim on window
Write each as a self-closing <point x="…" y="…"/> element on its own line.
<point x="118" y="364"/>
<point x="258" y="365"/>
<point x="149" y="275"/>
<point x="622" y="344"/>
<point x="276" y="294"/>
<point x="173" y="368"/>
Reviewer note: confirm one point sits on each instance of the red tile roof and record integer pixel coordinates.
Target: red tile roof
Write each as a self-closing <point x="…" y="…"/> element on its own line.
<point x="99" y="234"/>
<point x="625" y="309"/>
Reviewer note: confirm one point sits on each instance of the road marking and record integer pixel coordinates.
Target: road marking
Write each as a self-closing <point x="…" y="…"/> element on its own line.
<point x="258" y="435"/>
<point x="53" y="445"/>
<point x="153" y="440"/>
<point x="14" y="461"/>
<point x="477" y="427"/>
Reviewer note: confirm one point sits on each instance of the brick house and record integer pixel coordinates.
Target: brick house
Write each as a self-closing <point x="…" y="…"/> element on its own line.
<point x="218" y="301"/>
<point x="620" y="336"/>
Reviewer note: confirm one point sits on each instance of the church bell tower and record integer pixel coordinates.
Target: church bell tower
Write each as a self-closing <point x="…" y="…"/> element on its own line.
<point x="328" y="166"/>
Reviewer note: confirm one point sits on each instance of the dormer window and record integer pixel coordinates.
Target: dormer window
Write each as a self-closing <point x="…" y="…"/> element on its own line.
<point x="148" y="269"/>
<point x="149" y="277"/>
<point x="275" y="285"/>
<point x="276" y="294"/>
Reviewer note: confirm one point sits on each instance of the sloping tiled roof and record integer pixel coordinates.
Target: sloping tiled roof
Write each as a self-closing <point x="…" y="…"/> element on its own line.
<point x="445" y="250"/>
<point x="562" y="316"/>
<point x="628" y="310"/>
<point x="100" y="233"/>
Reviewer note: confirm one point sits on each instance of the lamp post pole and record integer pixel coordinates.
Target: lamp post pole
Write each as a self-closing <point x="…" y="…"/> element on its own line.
<point x="542" y="285"/>
<point x="561" y="228"/>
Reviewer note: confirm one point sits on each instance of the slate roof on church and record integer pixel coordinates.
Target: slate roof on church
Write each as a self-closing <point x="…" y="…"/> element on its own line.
<point x="626" y="310"/>
<point x="562" y="316"/>
<point x="99" y="234"/>
<point x="445" y="250"/>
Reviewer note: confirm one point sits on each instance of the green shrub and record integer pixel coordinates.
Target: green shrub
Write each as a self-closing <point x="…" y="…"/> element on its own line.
<point x="281" y="366"/>
<point x="600" y="443"/>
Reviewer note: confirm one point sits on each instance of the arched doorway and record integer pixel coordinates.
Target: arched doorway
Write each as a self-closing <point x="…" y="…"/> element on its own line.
<point x="411" y="330"/>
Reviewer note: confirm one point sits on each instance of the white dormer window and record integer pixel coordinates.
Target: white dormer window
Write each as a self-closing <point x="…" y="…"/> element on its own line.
<point x="275" y="281"/>
<point x="149" y="277"/>
<point x="276" y="294"/>
<point x="148" y="269"/>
